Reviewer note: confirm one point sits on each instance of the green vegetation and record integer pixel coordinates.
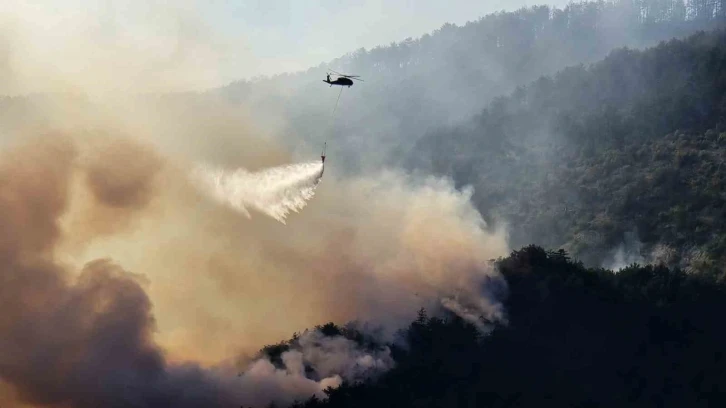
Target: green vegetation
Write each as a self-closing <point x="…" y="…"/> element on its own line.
<point x="635" y="142"/>
<point x="647" y="336"/>
<point x="580" y="160"/>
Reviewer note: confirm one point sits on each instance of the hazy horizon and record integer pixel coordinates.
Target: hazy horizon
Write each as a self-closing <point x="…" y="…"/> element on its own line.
<point x="227" y="41"/>
<point x="156" y="241"/>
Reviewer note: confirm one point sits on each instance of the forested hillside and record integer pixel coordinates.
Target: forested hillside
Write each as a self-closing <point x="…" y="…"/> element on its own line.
<point x="645" y="337"/>
<point x="552" y="158"/>
<point x="633" y="144"/>
<point x="596" y="134"/>
<point x="447" y="76"/>
<point x="615" y="162"/>
<point x="566" y="160"/>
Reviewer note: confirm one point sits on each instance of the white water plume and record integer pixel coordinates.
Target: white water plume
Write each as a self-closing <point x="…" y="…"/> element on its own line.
<point x="275" y="191"/>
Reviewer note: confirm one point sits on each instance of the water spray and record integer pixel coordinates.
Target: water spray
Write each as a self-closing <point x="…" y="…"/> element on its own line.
<point x="276" y="191"/>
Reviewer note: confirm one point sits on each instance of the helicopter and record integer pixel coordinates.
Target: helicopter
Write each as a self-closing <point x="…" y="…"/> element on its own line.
<point x="342" y="80"/>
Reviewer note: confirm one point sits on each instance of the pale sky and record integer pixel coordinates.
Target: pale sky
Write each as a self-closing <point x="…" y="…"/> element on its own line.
<point x="287" y="35"/>
<point x="219" y="41"/>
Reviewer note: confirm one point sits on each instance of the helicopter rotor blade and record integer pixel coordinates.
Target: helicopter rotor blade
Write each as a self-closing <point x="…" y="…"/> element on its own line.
<point x="356" y="77"/>
<point x="343" y="75"/>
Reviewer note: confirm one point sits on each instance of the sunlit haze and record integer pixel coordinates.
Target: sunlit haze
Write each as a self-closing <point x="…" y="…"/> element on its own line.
<point x="505" y="202"/>
<point x="223" y="40"/>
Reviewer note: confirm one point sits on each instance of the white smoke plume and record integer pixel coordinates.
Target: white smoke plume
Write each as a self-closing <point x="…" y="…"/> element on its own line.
<point x="479" y="312"/>
<point x="633" y="251"/>
<point x="276" y="191"/>
<point x="339" y="356"/>
<point x="313" y="363"/>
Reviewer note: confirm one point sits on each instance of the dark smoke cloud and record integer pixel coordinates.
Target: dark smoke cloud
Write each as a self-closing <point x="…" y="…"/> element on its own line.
<point x="86" y="338"/>
<point x="84" y="342"/>
<point x="121" y="174"/>
<point x="78" y="330"/>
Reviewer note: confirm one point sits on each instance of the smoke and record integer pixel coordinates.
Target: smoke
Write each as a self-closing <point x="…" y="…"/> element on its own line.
<point x="114" y="47"/>
<point x="276" y="191"/>
<point x="481" y="313"/>
<point x="375" y="248"/>
<point x="630" y="251"/>
<point x="123" y="283"/>
<point x="88" y="341"/>
<point x="633" y="251"/>
<point x="331" y="357"/>
<point x="313" y="363"/>
<point x="81" y="342"/>
<point x="120" y="174"/>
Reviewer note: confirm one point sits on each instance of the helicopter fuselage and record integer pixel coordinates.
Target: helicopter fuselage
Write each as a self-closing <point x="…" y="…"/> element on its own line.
<point x="340" y="81"/>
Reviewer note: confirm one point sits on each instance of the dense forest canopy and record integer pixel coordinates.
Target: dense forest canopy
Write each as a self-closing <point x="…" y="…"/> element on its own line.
<point x="448" y="75"/>
<point x="617" y="162"/>
<point x="580" y="139"/>
<point x="548" y="159"/>
<point x="646" y="336"/>
<point x="632" y="144"/>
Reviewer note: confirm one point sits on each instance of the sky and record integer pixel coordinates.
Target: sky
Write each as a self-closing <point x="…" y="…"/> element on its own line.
<point x="223" y="40"/>
<point x="287" y="35"/>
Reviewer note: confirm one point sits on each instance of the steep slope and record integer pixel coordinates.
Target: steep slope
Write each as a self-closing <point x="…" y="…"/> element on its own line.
<point x="644" y="337"/>
<point x="631" y="145"/>
<point x="449" y="75"/>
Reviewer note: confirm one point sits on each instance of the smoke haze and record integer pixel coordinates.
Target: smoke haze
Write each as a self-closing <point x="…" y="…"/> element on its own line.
<point x="212" y="283"/>
<point x="139" y="47"/>
<point x="132" y="268"/>
<point x="124" y="282"/>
